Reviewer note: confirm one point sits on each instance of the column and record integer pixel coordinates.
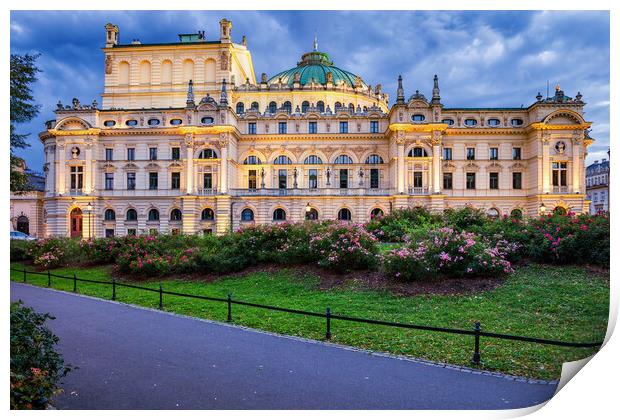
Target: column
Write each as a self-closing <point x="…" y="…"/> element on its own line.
<point x="189" y="181"/>
<point x="224" y="163"/>
<point x="576" y="166"/>
<point x="401" y="167"/>
<point x="60" y="177"/>
<point x="51" y="170"/>
<point x="545" y="164"/>
<point x="88" y="170"/>
<point x="436" y="168"/>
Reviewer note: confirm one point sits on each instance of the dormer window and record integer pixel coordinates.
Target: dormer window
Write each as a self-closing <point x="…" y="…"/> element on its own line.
<point x="154" y="121"/>
<point x="493" y="122"/>
<point x="448" y="121"/>
<point x="207" y="120"/>
<point x="470" y="122"/>
<point x="418" y="118"/>
<point x="515" y="122"/>
<point x="175" y="121"/>
<point x="131" y="123"/>
<point x="109" y="123"/>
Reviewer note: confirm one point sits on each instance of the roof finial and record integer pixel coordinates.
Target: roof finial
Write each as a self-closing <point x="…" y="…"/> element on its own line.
<point x="223" y="94"/>
<point x="436" y="97"/>
<point x="400" y="92"/>
<point x="315" y="45"/>
<point x="190" y="94"/>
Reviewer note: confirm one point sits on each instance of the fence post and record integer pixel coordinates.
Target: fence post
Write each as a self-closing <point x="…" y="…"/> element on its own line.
<point x="328" y="324"/>
<point x="24" y="270"/>
<point x="229" y="317"/>
<point x="476" y="357"/>
<point x="49" y="279"/>
<point x="74" y="283"/>
<point x="161" y="296"/>
<point x="113" y="288"/>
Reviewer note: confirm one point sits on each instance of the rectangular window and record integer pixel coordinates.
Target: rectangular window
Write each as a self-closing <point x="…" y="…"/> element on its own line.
<point x="447" y="153"/>
<point x="447" y="181"/>
<point x="282" y="178"/>
<point x="252" y="128"/>
<point x="516" y="153"/>
<point x="252" y="179"/>
<point x="471" y="181"/>
<point x="494" y="180"/>
<point x="313" y="181"/>
<point x="175" y="183"/>
<point x="153" y="231"/>
<point x="109" y="181"/>
<point x="109" y="154"/>
<point x="493" y="154"/>
<point x="344" y="127"/>
<point x="76" y="177"/>
<point x="374" y="178"/>
<point x="153" y="180"/>
<point x="344" y="178"/>
<point x="559" y="174"/>
<point x="374" y="126"/>
<point x="417" y="179"/>
<point x="312" y="127"/>
<point x="131" y="153"/>
<point x="282" y="128"/>
<point x="131" y="180"/>
<point x="176" y="153"/>
<point x="516" y="180"/>
<point x="131" y="232"/>
<point x="109" y="233"/>
<point x="207" y="180"/>
<point x="471" y="153"/>
<point x="152" y="153"/>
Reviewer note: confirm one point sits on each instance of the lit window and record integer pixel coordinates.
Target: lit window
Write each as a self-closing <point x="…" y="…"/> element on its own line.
<point x="448" y="121"/>
<point x="313" y="160"/>
<point x="418" y="118"/>
<point x="282" y="160"/>
<point x="154" y="121"/>
<point x="175" y="121"/>
<point x="470" y="122"/>
<point x="343" y="160"/>
<point x="279" y="214"/>
<point x="252" y="160"/>
<point x="516" y="122"/>
<point x="493" y="122"/>
<point x="374" y="160"/>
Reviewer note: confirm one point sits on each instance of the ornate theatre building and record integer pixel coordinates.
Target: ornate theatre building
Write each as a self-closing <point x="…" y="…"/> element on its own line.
<point x="187" y="140"/>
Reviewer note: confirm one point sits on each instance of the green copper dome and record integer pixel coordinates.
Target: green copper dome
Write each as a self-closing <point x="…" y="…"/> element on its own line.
<point x="315" y="66"/>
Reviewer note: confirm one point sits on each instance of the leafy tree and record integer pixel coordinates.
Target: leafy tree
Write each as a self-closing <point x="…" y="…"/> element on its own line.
<point x="23" y="109"/>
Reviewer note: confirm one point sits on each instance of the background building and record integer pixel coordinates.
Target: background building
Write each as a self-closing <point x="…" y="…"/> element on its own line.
<point x="27" y="208"/>
<point x="188" y="140"/>
<point x="597" y="185"/>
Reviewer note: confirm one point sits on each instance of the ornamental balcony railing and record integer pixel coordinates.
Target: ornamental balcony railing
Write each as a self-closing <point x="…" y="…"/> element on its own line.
<point x="76" y="191"/>
<point x="291" y="192"/>
<point x="418" y="190"/>
<point x="560" y="189"/>
<point x="206" y="191"/>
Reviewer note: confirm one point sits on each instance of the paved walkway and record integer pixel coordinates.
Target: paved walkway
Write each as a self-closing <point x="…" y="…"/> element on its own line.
<point x="133" y="358"/>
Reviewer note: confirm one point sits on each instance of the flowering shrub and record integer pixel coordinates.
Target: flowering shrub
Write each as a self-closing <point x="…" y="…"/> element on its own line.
<point x="36" y="367"/>
<point x="402" y="224"/>
<point x="344" y="247"/>
<point x="449" y="253"/>
<point x="99" y="251"/>
<point x="53" y="252"/>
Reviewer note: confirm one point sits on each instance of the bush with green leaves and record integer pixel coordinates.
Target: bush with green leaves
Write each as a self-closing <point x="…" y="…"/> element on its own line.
<point x="36" y="366"/>
<point x="403" y="224"/>
<point x="344" y="247"/>
<point x="19" y="250"/>
<point x="55" y="252"/>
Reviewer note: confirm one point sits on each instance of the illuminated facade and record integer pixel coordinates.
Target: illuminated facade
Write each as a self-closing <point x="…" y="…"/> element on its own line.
<point x="187" y="140"/>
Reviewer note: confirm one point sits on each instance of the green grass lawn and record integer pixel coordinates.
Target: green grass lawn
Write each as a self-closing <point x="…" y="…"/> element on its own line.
<point x="564" y="303"/>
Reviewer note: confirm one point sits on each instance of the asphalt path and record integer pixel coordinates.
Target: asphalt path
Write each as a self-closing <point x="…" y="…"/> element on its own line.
<point x="135" y="358"/>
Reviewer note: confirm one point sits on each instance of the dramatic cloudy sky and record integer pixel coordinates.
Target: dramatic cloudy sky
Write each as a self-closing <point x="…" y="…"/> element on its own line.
<point x="483" y="59"/>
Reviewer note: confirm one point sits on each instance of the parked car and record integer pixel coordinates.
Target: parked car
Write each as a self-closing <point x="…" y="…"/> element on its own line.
<point x="21" y="236"/>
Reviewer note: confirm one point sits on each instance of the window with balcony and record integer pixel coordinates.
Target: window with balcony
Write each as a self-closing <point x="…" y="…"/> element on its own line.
<point x="417" y="179"/>
<point x="109" y="181"/>
<point x="516" y="153"/>
<point x="252" y="179"/>
<point x="152" y="153"/>
<point x="447" y="181"/>
<point x="471" y="153"/>
<point x="471" y="180"/>
<point x="344" y="178"/>
<point x="493" y="153"/>
<point x="282" y="127"/>
<point x="272" y="107"/>
<point x="494" y="180"/>
<point x="516" y="180"/>
<point x="207" y="180"/>
<point x="313" y="178"/>
<point x="131" y="180"/>
<point x="447" y="153"/>
<point x="288" y="107"/>
<point x="344" y="127"/>
<point x="320" y="106"/>
<point x="175" y="181"/>
<point x="282" y="178"/>
<point x="312" y="127"/>
<point x="109" y="154"/>
<point x="304" y="106"/>
<point x="374" y="178"/>
<point x="374" y="126"/>
<point x="153" y="180"/>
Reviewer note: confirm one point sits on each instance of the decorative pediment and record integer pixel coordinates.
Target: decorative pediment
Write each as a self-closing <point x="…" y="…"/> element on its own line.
<point x="449" y="166"/>
<point x="518" y="166"/>
<point x="153" y="166"/>
<point x="496" y="167"/>
<point x="108" y="168"/>
<point x="471" y="165"/>
<point x="207" y="103"/>
<point x="564" y="117"/>
<point x="131" y="167"/>
<point x="176" y="165"/>
<point x="72" y="124"/>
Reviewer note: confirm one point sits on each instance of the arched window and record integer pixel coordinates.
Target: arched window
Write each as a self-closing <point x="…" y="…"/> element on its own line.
<point x="210" y="68"/>
<point x="109" y="215"/>
<point x="559" y="210"/>
<point x="374" y="160"/>
<point x="344" y="214"/>
<point x="145" y="72"/>
<point x="247" y="215"/>
<point x="188" y="70"/>
<point x="279" y="214"/>
<point x="337" y="106"/>
<point x="343" y="160"/>
<point x="252" y="160"/>
<point x="153" y="215"/>
<point x="287" y="107"/>
<point x="272" y="107"/>
<point x="516" y="214"/>
<point x="131" y="215"/>
<point x="153" y="121"/>
<point x="207" y="214"/>
<point x="254" y="105"/>
<point x="23" y="224"/>
<point x="282" y="160"/>
<point x="123" y="73"/>
<point x="166" y="71"/>
<point x="207" y="154"/>
<point x="176" y="215"/>
<point x="417" y="152"/>
<point x="321" y="106"/>
<point x="313" y="160"/>
<point x="351" y="108"/>
<point x="312" y="214"/>
<point x="376" y="212"/>
<point x="304" y="106"/>
<point x="493" y="213"/>
<point x="239" y="108"/>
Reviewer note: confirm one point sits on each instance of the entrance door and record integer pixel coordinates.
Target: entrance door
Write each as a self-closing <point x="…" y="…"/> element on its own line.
<point x="23" y="224"/>
<point x="76" y="223"/>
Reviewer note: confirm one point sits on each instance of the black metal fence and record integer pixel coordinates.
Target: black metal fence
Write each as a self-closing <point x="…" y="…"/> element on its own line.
<point x="476" y="332"/>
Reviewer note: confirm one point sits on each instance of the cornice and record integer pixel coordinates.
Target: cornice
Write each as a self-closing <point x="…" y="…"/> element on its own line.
<point x="312" y="137"/>
<point x="417" y="128"/>
<point x="553" y="127"/>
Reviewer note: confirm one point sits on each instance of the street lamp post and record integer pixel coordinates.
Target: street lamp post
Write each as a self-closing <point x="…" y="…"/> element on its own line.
<point x="89" y="209"/>
<point x="542" y="208"/>
<point x="308" y="210"/>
